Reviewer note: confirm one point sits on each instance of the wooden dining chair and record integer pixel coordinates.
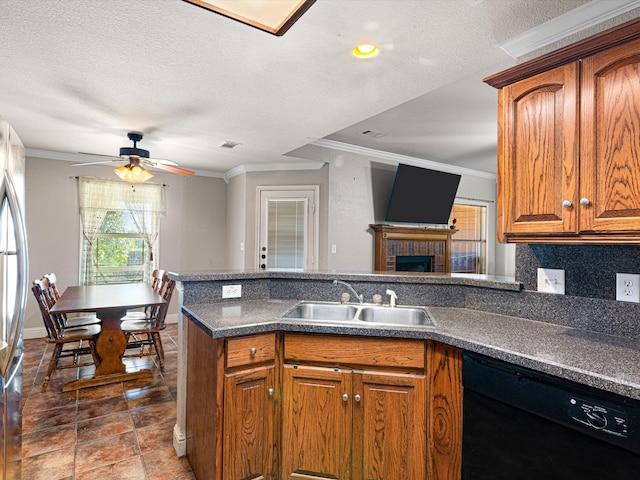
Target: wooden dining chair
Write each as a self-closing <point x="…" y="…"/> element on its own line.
<point x="67" y="342"/>
<point x="50" y="291"/>
<point x="143" y="334"/>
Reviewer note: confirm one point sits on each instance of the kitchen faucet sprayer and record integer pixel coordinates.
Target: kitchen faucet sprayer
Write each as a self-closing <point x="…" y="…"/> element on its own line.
<point x="358" y="296"/>
<point x="393" y="298"/>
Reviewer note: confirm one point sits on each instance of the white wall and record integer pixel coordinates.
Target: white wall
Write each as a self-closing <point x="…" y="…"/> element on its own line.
<point x="192" y="234"/>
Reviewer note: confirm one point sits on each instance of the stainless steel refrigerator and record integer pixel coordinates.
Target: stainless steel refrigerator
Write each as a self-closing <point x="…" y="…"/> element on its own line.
<point x="13" y="297"/>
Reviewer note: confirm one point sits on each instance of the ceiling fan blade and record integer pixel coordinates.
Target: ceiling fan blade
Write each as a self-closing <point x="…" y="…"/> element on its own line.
<point x="106" y="159"/>
<point x="93" y="163"/>
<point x="172" y="169"/>
<point x="163" y="162"/>
<point x="98" y="155"/>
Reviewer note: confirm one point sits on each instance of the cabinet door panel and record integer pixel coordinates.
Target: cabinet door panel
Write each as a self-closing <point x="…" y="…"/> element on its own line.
<point x="538" y="167"/>
<point x="316" y="430"/>
<point x="610" y="146"/>
<point x="390" y="429"/>
<point x="250" y="445"/>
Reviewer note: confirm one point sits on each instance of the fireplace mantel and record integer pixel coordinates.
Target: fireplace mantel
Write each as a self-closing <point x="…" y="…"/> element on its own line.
<point x="392" y="241"/>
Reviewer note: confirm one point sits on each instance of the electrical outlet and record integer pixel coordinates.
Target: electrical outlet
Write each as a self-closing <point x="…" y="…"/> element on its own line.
<point x="628" y="287"/>
<point x="231" y="291"/>
<point x="551" y="280"/>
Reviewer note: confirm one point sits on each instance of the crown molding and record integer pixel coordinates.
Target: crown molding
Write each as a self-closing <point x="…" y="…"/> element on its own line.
<point x="272" y="167"/>
<point x="395" y="158"/>
<point x="567" y="24"/>
<point x="226" y="176"/>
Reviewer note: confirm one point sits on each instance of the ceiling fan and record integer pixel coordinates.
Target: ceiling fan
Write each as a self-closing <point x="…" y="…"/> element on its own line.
<point x="137" y="158"/>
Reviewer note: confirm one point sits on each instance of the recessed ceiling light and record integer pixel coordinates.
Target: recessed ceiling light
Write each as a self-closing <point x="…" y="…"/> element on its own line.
<point x="366" y="50"/>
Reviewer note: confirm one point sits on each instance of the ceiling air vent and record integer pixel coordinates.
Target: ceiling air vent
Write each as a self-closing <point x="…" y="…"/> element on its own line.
<point x="229" y="144"/>
<point x="373" y="133"/>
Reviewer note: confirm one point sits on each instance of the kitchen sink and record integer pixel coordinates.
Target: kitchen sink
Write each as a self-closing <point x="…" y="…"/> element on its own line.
<point x="396" y="315"/>
<point x="349" y="312"/>
<point x="322" y="311"/>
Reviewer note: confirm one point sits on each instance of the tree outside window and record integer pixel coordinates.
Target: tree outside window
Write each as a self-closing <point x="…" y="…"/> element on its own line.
<point x="120" y="226"/>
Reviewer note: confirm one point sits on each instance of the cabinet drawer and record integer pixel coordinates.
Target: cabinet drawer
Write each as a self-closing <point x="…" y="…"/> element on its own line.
<point x="249" y="350"/>
<point x="375" y="352"/>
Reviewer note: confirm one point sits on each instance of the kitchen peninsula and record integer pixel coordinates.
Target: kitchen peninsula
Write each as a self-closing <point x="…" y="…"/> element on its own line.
<point x="233" y="350"/>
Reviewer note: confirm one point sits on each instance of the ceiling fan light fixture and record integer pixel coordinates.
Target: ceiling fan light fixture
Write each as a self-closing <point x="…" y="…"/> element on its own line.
<point x="366" y="50"/>
<point x="133" y="173"/>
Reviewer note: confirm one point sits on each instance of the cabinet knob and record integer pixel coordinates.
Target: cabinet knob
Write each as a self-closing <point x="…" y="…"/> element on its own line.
<point x="356" y="397"/>
<point x="345" y="397"/>
<point x="270" y="391"/>
<point x="567" y="203"/>
<point x="584" y="201"/>
<point x="252" y="351"/>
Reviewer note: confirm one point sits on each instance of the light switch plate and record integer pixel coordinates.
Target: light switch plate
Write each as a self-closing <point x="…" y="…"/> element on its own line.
<point x="551" y="280"/>
<point x="628" y="287"/>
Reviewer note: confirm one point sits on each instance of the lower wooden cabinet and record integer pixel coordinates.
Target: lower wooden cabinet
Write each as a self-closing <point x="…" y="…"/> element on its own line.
<point x="251" y="421"/>
<point x="316" y="428"/>
<point x="390" y="426"/>
<point x="308" y="407"/>
<point x="348" y="424"/>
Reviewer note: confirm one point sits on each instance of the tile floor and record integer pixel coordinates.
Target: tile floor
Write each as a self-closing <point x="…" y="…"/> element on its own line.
<point x="121" y="431"/>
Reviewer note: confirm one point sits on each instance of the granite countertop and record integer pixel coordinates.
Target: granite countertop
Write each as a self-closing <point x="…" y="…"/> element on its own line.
<point x="466" y="279"/>
<point x="602" y="361"/>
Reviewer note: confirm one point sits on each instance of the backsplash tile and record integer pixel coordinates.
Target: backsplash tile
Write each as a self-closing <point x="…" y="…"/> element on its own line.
<point x="590" y="270"/>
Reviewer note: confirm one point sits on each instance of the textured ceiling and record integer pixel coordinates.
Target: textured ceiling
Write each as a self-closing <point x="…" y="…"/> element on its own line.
<point x="78" y="75"/>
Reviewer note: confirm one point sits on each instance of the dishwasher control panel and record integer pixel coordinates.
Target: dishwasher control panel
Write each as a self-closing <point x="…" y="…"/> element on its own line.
<point x="598" y="416"/>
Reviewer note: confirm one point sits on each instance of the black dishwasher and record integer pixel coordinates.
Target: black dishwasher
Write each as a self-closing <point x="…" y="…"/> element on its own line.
<point x="519" y="425"/>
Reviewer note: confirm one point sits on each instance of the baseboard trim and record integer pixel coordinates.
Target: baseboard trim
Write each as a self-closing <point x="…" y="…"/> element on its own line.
<point x="179" y="441"/>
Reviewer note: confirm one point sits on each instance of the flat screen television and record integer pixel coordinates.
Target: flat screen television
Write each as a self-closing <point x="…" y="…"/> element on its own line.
<point x="421" y="195"/>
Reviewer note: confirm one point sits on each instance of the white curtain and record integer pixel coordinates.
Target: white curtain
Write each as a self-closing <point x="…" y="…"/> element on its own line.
<point x="145" y="203"/>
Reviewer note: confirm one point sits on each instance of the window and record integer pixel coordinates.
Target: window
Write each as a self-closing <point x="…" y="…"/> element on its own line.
<point x="119" y="230"/>
<point x="469" y="244"/>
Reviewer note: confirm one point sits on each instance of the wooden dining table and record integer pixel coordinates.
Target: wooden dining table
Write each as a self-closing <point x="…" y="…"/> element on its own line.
<point x="109" y="303"/>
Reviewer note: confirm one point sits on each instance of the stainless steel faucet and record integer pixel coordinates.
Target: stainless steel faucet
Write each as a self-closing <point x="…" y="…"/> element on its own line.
<point x="393" y="298"/>
<point x="349" y="287"/>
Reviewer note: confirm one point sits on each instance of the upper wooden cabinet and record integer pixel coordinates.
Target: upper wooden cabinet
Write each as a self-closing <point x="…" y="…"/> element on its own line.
<point x="538" y="168"/>
<point x="610" y="140"/>
<point x="569" y="144"/>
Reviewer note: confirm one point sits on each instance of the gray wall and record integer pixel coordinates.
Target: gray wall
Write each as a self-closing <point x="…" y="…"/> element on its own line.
<point x="242" y="221"/>
<point x="359" y="189"/>
<point x="236" y="222"/>
<point x="208" y="219"/>
<point x="290" y="177"/>
<point x="192" y="234"/>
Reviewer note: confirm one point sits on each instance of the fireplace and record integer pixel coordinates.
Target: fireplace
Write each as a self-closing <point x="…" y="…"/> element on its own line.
<point x="412" y="249"/>
<point x="414" y="263"/>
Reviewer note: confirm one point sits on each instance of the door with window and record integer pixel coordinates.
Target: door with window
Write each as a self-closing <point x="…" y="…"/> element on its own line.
<point x="287" y="227"/>
<point x="469" y="244"/>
